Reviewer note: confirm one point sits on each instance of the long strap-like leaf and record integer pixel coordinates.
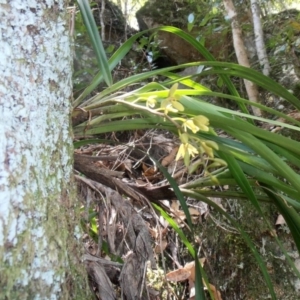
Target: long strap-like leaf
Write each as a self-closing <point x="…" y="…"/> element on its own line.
<point x="93" y="32"/>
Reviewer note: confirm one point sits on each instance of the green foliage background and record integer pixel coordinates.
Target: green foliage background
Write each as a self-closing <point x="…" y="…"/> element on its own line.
<point x="256" y="164"/>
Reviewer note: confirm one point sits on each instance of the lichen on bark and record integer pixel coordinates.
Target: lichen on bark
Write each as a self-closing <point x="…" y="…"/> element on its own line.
<point x="35" y="148"/>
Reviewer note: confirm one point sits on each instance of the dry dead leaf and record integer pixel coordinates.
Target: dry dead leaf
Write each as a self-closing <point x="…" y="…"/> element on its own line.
<point x="161" y="247"/>
<point x="166" y="203"/>
<point x="195" y="215"/>
<point x="178" y="213"/>
<point x="127" y="165"/>
<point x="191" y="268"/>
<point x="188" y="272"/>
<point x="215" y="292"/>
<point x="140" y="182"/>
<point x="201" y="207"/>
<point x="295" y="114"/>
<point x="175" y="205"/>
<point x="155" y="232"/>
<point x="178" y="275"/>
<point x="192" y="290"/>
<point x="121" y="167"/>
<point x="163" y="221"/>
<point x="170" y="158"/>
<point x="148" y="171"/>
<point x="280" y="220"/>
<point x="217" y="201"/>
<point x="273" y="233"/>
<point x="194" y="211"/>
<point x="101" y="164"/>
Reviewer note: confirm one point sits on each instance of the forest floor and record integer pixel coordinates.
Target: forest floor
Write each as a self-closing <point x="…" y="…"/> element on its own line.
<point x="132" y="251"/>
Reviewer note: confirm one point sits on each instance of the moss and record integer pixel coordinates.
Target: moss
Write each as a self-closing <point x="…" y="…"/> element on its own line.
<point x="296" y="89"/>
<point x="173" y="13"/>
<point x="232" y="266"/>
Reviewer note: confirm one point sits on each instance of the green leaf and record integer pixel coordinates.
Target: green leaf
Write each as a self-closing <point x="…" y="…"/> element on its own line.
<point x="175" y="226"/>
<point x="206" y="54"/>
<point x="245" y="236"/>
<point x="291" y="217"/>
<point x="240" y="178"/>
<point x="93" y="32"/>
<point x="177" y="192"/>
<point x="265" y="152"/>
<point x="113" y="62"/>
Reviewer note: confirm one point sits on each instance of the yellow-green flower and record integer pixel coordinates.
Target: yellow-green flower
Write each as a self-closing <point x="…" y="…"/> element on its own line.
<point x="172" y="90"/>
<point x="208" y="147"/>
<point x="212" y="144"/>
<point x="216" y="163"/>
<point x="189" y="123"/>
<point x="151" y="101"/>
<point x="177" y="105"/>
<point x="186" y="151"/>
<point x="202" y="122"/>
<point x="171" y="104"/>
<point x="167" y="106"/>
<point x="184" y="137"/>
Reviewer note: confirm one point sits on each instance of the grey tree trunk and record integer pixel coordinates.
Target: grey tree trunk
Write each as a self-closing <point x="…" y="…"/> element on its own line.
<point x="241" y="53"/>
<point x="259" y="39"/>
<point x="35" y="149"/>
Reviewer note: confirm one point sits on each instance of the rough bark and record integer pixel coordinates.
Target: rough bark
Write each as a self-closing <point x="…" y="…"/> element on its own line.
<point x="35" y="149"/>
<point x="241" y="53"/>
<point x="259" y="39"/>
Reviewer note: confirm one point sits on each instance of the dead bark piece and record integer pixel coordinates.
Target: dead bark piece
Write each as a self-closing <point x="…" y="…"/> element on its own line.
<point x="97" y="158"/>
<point x="125" y="224"/>
<point x="132" y="276"/>
<point x="112" y="269"/>
<point x="155" y="193"/>
<point x="84" y="163"/>
<point x="126" y="232"/>
<point x="99" y="279"/>
<point x="107" y="177"/>
<point x="136" y="232"/>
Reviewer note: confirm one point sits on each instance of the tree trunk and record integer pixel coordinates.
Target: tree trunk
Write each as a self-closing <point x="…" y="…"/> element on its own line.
<point x="35" y="149"/>
<point x="101" y="17"/>
<point x="241" y="53"/>
<point x="259" y="39"/>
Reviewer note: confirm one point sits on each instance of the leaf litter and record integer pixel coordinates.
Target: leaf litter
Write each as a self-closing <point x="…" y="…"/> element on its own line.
<point x="126" y="240"/>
